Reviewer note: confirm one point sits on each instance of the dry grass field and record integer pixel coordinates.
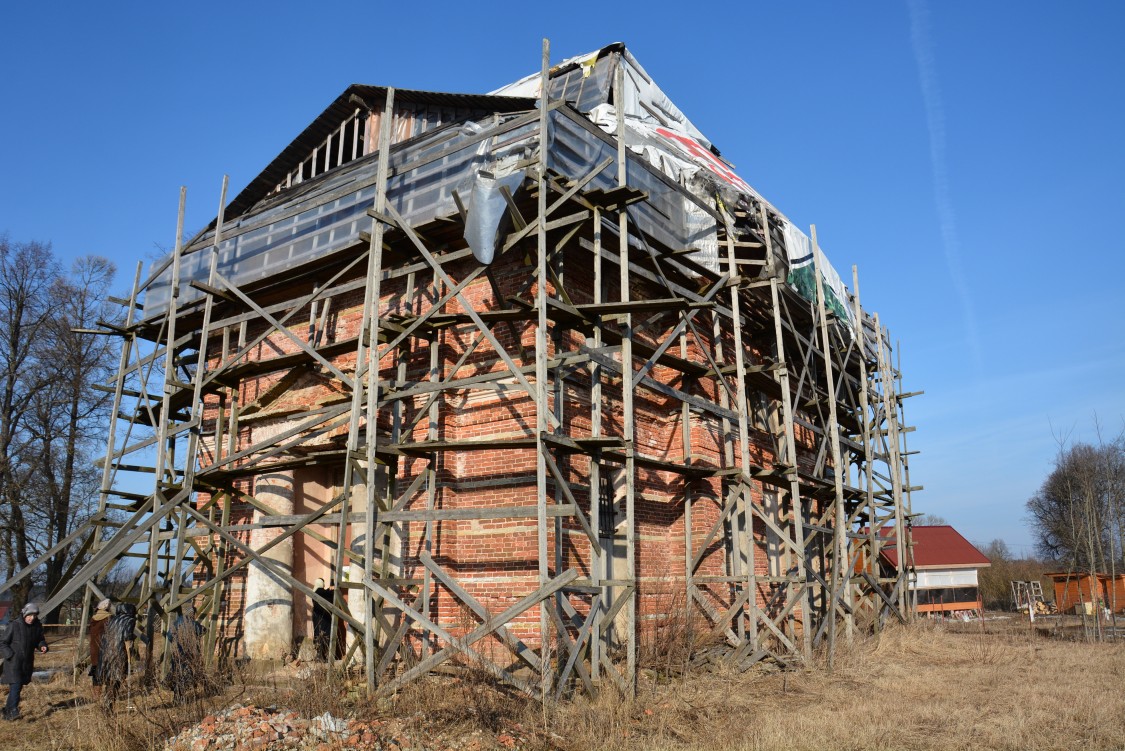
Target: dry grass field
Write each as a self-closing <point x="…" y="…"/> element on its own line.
<point x="994" y="685"/>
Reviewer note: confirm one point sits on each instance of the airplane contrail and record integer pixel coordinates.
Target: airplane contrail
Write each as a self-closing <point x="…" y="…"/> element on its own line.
<point x="935" y="123"/>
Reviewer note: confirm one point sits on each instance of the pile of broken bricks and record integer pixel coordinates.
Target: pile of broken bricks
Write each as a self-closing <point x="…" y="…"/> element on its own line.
<point x="272" y="729"/>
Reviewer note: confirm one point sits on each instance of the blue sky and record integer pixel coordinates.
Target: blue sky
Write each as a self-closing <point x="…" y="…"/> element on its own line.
<point x="967" y="156"/>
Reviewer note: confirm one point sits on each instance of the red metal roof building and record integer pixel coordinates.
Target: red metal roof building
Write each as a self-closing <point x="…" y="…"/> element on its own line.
<point x="946" y="565"/>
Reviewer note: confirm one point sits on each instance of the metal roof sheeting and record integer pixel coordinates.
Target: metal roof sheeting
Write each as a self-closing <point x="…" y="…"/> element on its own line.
<point x="939" y="547"/>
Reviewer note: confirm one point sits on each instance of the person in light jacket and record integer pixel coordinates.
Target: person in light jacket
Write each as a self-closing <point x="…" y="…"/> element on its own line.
<point x="18" y="647"/>
<point x="97" y="629"/>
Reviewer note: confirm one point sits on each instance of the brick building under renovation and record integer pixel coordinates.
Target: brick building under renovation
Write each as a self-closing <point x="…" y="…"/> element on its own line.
<point x="531" y="378"/>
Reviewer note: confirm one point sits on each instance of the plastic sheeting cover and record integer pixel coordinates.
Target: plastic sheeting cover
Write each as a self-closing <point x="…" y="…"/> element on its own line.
<point x="486" y="210"/>
<point x="330" y="212"/>
<point x="642" y="98"/>
<point x="670" y="215"/>
<point x="659" y="131"/>
<point x="947" y="578"/>
<point x="798" y="247"/>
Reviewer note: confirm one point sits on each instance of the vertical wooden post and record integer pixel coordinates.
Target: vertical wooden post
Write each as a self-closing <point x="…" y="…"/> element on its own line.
<point x="890" y="413"/>
<point x="905" y="452"/>
<point x="686" y="447"/>
<point x="436" y="375"/>
<point x="371" y="314"/>
<point x="789" y="443"/>
<point x="745" y="537"/>
<point x="169" y="351"/>
<point x="839" y="574"/>
<point x="867" y="425"/>
<point x="195" y="436"/>
<point x="734" y="562"/>
<point x="162" y="440"/>
<point x="224" y="546"/>
<point x="541" y="395"/>
<point x="598" y="639"/>
<point x="627" y="393"/>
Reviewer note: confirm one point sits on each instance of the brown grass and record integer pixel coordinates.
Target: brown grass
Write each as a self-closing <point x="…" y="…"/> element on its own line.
<point x="919" y="687"/>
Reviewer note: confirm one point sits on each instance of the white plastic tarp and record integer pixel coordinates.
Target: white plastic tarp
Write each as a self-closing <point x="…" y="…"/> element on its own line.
<point x="642" y="98"/>
<point x="941" y="579"/>
<point x="656" y="129"/>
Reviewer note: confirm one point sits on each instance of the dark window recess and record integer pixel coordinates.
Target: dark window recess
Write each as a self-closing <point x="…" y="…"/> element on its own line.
<point x="332" y="147"/>
<point x="760" y="412"/>
<point x="947" y="595"/>
<point x="349" y="141"/>
<point x="606" y="508"/>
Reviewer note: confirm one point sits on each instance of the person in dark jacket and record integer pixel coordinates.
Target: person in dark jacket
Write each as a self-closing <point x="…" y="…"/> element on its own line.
<point x="17" y="647"/>
<point x="114" y="660"/>
<point x="96" y="631"/>
<point x="322" y="620"/>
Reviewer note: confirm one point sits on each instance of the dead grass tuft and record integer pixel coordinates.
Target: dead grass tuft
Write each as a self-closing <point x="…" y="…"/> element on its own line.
<point x="309" y="690"/>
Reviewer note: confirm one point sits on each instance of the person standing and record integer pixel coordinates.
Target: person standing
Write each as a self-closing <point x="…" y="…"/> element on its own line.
<point x="97" y="629"/>
<point x="17" y="647"/>
<point x="113" y="661"/>
<point x="322" y="620"/>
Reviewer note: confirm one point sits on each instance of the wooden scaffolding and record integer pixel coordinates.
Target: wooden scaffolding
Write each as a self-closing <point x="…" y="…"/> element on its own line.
<point x="810" y="481"/>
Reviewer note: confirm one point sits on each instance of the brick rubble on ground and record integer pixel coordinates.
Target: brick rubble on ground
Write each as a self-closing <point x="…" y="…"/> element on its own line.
<point x="269" y="729"/>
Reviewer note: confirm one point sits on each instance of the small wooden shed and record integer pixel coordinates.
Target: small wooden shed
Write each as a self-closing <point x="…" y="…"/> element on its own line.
<point x="1083" y="592"/>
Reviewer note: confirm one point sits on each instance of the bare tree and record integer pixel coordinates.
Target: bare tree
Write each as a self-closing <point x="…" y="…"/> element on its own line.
<point x="50" y="414"/>
<point x="930" y="520"/>
<point x="1078" y="512"/>
<point x="67" y="416"/>
<point x="27" y="274"/>
<point x="1074" y="512"/>
<point x="997" y="551"/>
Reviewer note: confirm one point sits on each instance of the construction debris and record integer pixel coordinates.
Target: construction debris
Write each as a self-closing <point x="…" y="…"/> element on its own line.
<point x="272" y="729"/>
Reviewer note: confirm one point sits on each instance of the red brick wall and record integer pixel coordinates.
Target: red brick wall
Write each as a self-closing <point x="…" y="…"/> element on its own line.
<point x="497" y="560"/>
